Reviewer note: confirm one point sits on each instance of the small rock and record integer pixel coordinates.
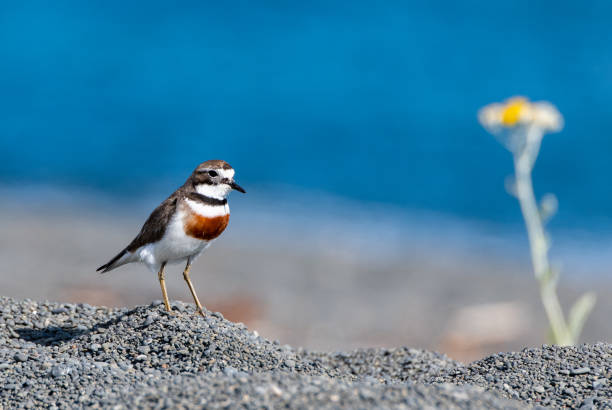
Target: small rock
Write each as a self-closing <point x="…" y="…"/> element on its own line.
<point x="579" y="371"/>
<point x="588" y="404"/>
<point x="144" y="349"/>
<point x="123" y="365"/>
<point x="501" y="365"/>
<point x="20" y="357"/>
<point x="178" y="306"/>
<point x="100" y="365"/>
<point x="229" y="371"/>
<point x="275" y="390"/>
<point x="569" y="392"/>
<point x="60" y="370"/>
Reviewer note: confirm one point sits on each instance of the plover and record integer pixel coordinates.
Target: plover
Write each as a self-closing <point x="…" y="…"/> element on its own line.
<point x="183" y="225"/>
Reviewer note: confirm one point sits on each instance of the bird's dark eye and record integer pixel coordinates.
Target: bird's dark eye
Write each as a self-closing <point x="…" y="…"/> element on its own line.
<point x="212" y="173"/>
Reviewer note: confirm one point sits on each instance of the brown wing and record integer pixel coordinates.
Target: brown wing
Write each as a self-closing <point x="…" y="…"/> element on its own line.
<point x="152" y="230"/>
<point x="155" y="226"/>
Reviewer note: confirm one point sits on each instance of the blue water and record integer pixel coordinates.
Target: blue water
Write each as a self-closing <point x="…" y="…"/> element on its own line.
<point x="375" y="103"/>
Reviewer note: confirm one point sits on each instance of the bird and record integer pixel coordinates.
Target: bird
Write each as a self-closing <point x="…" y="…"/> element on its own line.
<point x="183" y="225"/>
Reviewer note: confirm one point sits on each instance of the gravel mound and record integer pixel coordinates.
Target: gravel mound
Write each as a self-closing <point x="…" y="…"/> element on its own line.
<point x="67" y="356"/>
<point x="575" y="376"/>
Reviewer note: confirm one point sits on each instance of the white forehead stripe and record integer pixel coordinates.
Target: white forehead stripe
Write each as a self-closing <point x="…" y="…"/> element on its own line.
<point x="227" y="173"/>
<point x="208" y="211"/>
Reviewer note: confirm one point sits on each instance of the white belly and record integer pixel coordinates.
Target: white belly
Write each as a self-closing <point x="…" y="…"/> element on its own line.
<point x="174" y="246"/>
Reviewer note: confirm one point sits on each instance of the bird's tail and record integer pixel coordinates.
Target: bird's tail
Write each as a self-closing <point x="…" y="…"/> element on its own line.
<point x="118" y="260"/>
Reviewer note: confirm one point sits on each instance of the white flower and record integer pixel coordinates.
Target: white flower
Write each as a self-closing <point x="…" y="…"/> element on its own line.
<point x="519" y="111"/>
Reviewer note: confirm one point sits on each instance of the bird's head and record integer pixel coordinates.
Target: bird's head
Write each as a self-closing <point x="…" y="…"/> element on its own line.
<point x="215" y="179"/>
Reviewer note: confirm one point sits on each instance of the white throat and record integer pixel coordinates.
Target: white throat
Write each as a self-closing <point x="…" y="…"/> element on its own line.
<point x="213" y="191"/>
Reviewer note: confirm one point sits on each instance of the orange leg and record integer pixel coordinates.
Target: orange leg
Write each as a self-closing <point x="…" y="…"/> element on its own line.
<point x="193" y="293"/>
<point x="162" y="283"/>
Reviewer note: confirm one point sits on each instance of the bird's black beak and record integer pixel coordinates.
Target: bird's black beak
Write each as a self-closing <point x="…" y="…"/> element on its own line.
<point x="237" y="187"/>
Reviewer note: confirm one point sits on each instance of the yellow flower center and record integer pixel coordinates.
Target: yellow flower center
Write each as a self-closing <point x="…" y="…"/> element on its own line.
<point x="511" y="114"/>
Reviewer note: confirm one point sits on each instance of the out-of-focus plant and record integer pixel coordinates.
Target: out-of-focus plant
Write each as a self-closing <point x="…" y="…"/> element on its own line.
<point x="520" y="125"/>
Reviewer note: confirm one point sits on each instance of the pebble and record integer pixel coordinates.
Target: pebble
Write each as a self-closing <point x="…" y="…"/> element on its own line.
<point x="569" y="392"/>
<point x="588" y="404"/>
<point x="579" y="371"/>
<point x="599" y="383"/>
<point x="20" y="357"/>
<point x="60" y="370"/>
<point x="229" y="371"/>
<point x="144" y="349"/>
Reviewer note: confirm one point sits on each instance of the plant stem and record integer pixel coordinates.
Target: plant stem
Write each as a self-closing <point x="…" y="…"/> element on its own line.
<point x="524" y="160"/>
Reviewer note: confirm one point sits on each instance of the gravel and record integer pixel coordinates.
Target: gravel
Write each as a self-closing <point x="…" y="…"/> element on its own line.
<point x="575" y="376"/>
<point x="74" y="356"/>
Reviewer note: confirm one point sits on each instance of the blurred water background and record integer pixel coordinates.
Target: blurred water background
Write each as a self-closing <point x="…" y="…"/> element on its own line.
<point x="352" y="125"/>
